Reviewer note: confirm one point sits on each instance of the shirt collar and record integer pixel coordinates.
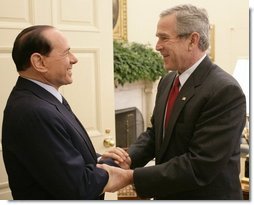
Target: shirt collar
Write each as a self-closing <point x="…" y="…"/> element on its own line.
<point x="186" y="74"/>
<point x="49" y="88"/>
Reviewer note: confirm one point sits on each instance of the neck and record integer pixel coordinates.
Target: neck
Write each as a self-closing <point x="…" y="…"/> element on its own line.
<point x="193" y="59"/>
<point x="29" y="74"/>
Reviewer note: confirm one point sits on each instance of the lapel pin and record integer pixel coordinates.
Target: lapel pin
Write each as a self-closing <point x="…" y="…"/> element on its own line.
<point x="183" y="98"/>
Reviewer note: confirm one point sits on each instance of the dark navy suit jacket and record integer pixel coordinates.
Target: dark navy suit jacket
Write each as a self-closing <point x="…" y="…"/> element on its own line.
<point x="47" y="152"/>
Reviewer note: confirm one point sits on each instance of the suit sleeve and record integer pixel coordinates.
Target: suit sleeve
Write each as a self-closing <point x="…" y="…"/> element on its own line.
<point x="143" y="149"/>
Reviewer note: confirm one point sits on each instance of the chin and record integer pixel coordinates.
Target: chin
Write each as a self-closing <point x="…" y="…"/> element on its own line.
<point x="170" y="68"/>
<point x="167" y="68"/>
<point x="69" y="82"/>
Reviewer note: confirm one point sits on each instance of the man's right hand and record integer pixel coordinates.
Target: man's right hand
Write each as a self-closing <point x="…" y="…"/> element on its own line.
<point x="118" y="178"/>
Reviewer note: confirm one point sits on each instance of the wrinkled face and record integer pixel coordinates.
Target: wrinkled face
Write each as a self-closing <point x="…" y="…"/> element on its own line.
<point x="60" y="60"/>
<point x="172" y="47"/>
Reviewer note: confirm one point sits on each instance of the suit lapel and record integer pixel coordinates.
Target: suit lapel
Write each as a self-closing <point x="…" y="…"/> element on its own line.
<point x="162" y="103"/>
<point x="161" y="107"/>
<point x="185" y="94"/>
<point x="70" y="117"/>
<point x="74" y="121"/>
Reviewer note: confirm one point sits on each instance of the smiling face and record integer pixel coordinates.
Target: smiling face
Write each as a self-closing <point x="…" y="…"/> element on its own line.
<point x="58" y="64"/>
<point x="173" y="48"/>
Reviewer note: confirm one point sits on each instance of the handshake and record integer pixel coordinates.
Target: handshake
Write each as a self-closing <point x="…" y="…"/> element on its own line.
<point x="121" y="176"/>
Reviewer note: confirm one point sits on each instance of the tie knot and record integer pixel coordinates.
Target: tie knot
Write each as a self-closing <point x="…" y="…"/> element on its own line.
<point x="177" y="82"/>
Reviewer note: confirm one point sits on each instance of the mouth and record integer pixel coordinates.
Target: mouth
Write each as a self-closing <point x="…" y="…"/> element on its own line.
<point x="69" y="70"/>
<point x="165" y="56"/>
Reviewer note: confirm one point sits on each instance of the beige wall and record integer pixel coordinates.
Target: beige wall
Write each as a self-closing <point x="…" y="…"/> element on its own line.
<point x="230" y="17"/>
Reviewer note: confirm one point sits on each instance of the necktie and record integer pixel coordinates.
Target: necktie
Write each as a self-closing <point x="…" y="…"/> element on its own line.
<point x="66" y="104"/>
<point x="171" y="99"/>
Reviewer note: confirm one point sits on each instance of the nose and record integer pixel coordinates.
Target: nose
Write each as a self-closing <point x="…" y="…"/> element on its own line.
<point x="73" y="58"/>
<point x="158" y="46"/>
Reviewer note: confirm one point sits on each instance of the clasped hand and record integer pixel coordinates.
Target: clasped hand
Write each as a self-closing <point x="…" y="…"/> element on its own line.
<point x="118" y="177"/>
<point x="120" y="157"/>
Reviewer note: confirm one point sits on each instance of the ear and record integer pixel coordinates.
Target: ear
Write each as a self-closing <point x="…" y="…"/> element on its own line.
<point x="37" y="61"/>
<point x="194" y="40"/>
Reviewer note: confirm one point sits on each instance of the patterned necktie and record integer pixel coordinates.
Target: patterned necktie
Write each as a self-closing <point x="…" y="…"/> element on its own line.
<point x="171" y="99"/>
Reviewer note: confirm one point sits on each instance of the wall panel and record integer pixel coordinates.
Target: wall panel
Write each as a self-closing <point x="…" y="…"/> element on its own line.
<point x="16" y="13"/>
<point x="82" y="17"/>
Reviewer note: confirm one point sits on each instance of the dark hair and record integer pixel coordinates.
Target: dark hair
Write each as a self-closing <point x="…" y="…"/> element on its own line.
<point x="29" y="41"/>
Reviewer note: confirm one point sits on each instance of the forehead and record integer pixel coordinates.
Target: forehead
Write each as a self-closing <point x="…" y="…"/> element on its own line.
<point x="56" y="38"/>
<point x="167" y="24"/>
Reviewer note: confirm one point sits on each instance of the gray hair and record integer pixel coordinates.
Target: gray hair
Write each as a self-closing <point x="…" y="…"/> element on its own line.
<point x="191" y="19"/>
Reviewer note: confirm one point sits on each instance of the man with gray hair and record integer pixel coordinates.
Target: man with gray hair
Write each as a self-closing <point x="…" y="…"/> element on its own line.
<point x="197" y="121"/>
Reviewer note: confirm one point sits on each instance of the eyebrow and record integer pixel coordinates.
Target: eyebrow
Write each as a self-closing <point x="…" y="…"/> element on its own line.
<point x="162" y="35"/>
<point x="68" y="49"/>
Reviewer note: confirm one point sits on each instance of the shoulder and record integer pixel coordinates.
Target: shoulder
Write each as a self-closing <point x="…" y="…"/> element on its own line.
<point x="220" y="78"/>
<point x="220" y="86"/>
<point x="24" y="103"/>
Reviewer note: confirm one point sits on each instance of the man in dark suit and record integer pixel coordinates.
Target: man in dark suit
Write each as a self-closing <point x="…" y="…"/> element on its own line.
<point x="197" y="152"/>
<point x="47" y="152"/>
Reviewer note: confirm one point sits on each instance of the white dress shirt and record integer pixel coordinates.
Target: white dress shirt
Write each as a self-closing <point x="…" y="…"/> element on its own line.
<point x="49" y="88"/>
